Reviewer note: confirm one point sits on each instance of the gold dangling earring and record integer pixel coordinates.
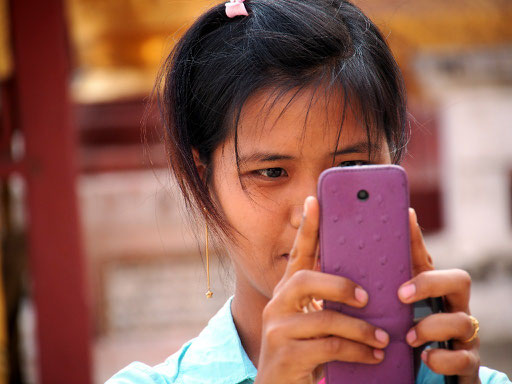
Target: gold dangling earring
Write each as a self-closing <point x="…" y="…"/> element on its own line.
<point x="209" y="293"/>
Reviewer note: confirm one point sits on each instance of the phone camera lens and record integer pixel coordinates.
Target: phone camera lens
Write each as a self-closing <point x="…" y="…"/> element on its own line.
<point x="363" y="194"/>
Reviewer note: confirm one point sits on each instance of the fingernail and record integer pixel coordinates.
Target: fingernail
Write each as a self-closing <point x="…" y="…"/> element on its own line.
<point x="411" y="336"/>
<point x="415" y="215"/>
<point x="424" y="356"/>
<point x="378" y="353"/>
<point x="407" y="291"/>
<point x="381" y="336"/>
<point x="361" y="295"/>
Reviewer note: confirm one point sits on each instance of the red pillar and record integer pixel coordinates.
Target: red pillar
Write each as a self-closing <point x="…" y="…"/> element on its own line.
<point x="55" y="253"/>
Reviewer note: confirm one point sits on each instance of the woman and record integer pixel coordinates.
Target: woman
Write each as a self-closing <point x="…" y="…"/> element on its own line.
<point x="258" y="98"/>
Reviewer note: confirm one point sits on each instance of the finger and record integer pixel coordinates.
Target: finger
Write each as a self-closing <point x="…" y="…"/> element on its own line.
<point x="302" y="254"/>
<point x="298" y="291"/>
<point x="445" y="362"/>
<point x="332" y="348"/>
<point x="441" y="327"/>
<point x="318" y="304"/>
<point x="421" y="259"/>
<point x="331" y="323"/>
<point x="313" y="306"/>
<point x="454" y="284"/>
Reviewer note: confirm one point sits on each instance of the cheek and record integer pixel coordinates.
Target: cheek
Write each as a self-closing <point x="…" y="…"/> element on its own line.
<point x="257" y="221"/>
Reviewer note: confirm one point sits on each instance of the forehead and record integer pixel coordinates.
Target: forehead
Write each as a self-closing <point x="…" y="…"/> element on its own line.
<point x="295" y="120"/>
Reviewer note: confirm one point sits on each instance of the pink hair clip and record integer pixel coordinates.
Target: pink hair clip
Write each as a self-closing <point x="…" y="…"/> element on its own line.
<point x="236" y="8"/>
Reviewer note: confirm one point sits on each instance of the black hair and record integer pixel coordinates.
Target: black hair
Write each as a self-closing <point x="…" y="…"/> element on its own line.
<point x="284" y="45"/>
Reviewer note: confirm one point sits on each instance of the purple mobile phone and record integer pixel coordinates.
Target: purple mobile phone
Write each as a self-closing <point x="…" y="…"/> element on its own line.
<point x="364" y="236"/>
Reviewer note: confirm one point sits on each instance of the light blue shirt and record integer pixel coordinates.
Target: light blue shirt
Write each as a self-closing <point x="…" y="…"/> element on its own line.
<point x="217" y="356"/>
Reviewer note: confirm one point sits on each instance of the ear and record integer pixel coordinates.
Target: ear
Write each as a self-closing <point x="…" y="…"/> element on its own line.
<point x="201" y="168"/>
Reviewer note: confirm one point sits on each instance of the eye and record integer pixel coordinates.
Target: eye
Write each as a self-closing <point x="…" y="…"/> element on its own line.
<point x="272" y="173"/>
<point x="351" y="163"/>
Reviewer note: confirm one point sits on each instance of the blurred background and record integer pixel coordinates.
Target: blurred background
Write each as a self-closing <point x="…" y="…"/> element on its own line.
<point x="99" y="267"/>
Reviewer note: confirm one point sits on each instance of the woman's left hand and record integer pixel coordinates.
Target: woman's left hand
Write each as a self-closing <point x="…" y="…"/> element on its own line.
<point x="455" y="323"/>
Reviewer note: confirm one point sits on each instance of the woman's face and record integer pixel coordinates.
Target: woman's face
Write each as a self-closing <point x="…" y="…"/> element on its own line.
<point x="279" y="169"/>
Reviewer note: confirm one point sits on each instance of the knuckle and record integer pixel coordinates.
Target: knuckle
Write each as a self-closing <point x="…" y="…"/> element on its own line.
<point x="266" y="316"/>
<point x="460" y="317"/>
<point x="462" y="276"/>
<point x="465" y="358"/>
<point x="464" y="319"/>
<point x="465" y="277"/>
<point x="278" y="287"/>
<point x="300" y="278"/>
<point x="272" y="332"/>
<point x="333" y="345"/>
<point x="268" y="312"/>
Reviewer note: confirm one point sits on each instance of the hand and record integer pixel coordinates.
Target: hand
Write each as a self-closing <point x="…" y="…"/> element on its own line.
<point x="295" y="342"/>
<point x="454" y="285"/>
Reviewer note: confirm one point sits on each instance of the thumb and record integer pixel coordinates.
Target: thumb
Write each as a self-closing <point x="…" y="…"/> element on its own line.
<point x="421" y="259"/>
<point x="304" y="251"/>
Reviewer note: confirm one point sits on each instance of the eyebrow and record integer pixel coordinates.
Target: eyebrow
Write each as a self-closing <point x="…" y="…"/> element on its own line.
<point x="360" y="147"/>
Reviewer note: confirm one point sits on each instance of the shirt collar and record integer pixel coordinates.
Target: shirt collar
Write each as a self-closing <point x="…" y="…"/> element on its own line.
<point x="217" y="353"/>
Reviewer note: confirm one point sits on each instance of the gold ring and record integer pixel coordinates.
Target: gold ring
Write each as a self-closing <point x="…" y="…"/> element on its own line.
<point x="476" y="328"/>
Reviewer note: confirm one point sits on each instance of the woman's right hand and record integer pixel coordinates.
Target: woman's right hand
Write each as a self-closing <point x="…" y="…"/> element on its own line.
<point x="295" y="342"/>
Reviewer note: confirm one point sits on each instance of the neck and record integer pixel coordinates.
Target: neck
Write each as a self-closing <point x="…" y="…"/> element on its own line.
<point x="247" y="308"/>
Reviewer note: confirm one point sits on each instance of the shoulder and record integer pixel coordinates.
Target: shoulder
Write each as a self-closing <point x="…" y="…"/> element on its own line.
<point x="140" y="373"/>
<point x="490" y="376"/>
<point x="215" y="356"/>
<point x="136" y="373"/>
<point x="486" y="375"/>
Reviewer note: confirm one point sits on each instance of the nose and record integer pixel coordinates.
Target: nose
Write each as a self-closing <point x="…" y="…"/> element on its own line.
<point x="297" y="209"/>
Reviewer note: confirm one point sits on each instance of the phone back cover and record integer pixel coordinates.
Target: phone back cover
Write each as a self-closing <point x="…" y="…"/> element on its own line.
<point x="368" y="242"/>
